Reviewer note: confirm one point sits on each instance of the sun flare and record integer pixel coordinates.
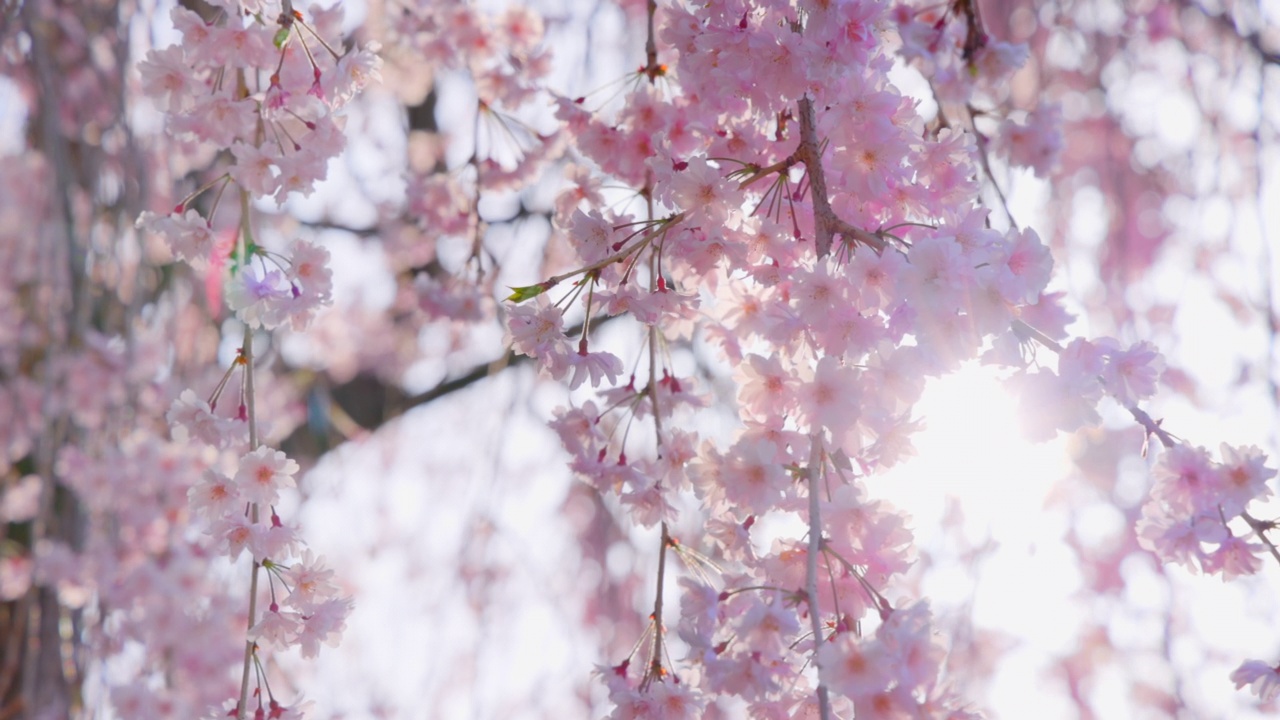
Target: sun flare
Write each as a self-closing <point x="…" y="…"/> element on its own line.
<point x="973" y="456"/>
<point x="973" y="449"/>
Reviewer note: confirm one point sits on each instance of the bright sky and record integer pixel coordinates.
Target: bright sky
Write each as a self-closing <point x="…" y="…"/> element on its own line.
<point x="973" y="453"/>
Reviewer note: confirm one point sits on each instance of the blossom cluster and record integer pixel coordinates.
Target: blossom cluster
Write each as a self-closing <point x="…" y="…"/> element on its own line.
<point x="964" y="63"/>
<point x="1088" y="371"/>
<point x="807" y="221"/>
<point x="266" y="89"/>
<point x="1187" y="519"/>
<point x="268" y="92"/>
<point x="786" y="210"/>
<point x="501" y="56"/>
<point x="826" y="240"/>
<point x="138" y="556"/>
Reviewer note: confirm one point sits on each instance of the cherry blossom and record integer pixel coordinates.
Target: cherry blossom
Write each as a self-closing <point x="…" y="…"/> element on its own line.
<point x="263" y="473"/>
<point x="791" y="216"/>
<point x="1262" y="679"/>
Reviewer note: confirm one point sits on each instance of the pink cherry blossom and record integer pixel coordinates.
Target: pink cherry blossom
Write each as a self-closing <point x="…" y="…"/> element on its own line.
<point x="1233" y="558"/>
<point x="263" y="473"/>
<point x="260" y="298"/>
<point x="190" y="417"/>
<point x="830" y="398"/>
<point x="166" y="77"/>
<point x="765" y="389"/>
<point x="216" y="496"/>
<point x="1035" y="143"/>
<point x="1186" y="480"/>
<point x="704" y="190"/>
<point x="255" y="169"/>
<point x="594" y="365"/>
<point x="852" y="667"/>
<point x="311" y="582"/>
<point x="1263" y="680"/>
<point x="1130" y="375"/>
<point x="232" y="535"/>
<point x="323" y="623"/>
<point x="189" y="236"/>
<point x="277" y="628"/>
<point x="354" y="72"/>
<point x="1243" y="477"/>
<point x="753" y="477"/>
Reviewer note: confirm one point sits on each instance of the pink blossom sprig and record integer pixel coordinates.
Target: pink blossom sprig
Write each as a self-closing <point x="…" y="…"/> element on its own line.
<point x="267" y="90"/>
<point x="237" y="509"/>
<point x="1187" y="518"/>
<point x="254" y="88"/>
<point x="1194" y="498"/>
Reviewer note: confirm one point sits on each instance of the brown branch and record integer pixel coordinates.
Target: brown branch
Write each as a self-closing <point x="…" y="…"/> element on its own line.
<point x="476" y="374"/>
<point x="826" y="224"/>
<point x="397" y="402"/>
<point x="651" y="67"/>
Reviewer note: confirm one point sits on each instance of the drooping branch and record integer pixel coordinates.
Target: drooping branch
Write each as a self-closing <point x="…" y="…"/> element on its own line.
<point x="250" y="402"/>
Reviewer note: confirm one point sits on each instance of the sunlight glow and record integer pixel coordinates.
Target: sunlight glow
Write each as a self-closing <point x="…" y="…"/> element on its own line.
<point x="973" y="450"/>
<point x="1005" y="565"/>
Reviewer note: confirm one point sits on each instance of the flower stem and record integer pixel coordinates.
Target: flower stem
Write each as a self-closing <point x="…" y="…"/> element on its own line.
<point x="655" y="671"/>
<point x="246" y="351"/>
<point x="813" y="474"/>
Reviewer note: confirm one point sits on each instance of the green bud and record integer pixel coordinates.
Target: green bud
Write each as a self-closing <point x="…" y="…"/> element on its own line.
<point x="520" y="294"/>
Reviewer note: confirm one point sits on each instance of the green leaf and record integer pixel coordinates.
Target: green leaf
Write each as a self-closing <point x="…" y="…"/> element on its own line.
<point x="520" y="294"/>
<point x="282" y="37"/>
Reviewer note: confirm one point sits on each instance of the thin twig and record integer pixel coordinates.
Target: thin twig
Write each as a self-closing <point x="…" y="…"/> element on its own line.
<point x="654" y="671"/>
<point x="650" y="44"/>
<point x="986" y="165"/>
<point x="812" y="475"/>
<point x="1258" y="527"/>
<point x="246" y="355"/>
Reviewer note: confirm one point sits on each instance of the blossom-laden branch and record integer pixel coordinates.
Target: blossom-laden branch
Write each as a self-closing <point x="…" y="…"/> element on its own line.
<point x="828" y="343"/>
<point x="1194" y="498"/>
<point x="271" y="103"/>
<point x="828" y="330"/>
